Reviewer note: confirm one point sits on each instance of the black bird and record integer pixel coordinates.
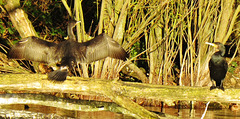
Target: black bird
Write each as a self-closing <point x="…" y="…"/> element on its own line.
<point x="71" y="25"/>
<point x="218" y="66"/>
<point x="67" y="53"/>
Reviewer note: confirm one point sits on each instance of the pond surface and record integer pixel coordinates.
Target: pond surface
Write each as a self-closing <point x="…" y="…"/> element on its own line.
<point x="39" y="111"/>
<point x="197" y="113"/>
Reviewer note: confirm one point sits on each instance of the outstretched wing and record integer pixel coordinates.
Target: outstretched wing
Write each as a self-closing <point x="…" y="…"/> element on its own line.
<point x="34" y="49"/>
<point x="98" y="48"/>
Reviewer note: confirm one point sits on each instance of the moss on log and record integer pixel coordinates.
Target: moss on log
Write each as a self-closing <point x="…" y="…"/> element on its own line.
<point x="119" y="92"/>
<point x="38" y="82"/>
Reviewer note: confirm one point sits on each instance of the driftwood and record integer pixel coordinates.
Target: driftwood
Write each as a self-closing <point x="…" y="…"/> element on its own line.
<point x="23" y="114"/>
<point x="122" y="93"/>
<point x="117" y="91"/>
<point x="69" y="104"/>
<point x="76" y="85"/>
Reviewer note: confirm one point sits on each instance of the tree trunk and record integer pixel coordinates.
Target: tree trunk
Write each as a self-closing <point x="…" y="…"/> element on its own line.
<point x="118" y="92"/>
<point x="19" y="19"/>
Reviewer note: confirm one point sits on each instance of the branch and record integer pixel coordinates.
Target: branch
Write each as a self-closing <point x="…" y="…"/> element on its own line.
<point x="68" y="104"/>
<point x="19" y="18"/>
<point x="33" y="82"/>
<point x="119" y="92"/>
<point x="76" y="85"/>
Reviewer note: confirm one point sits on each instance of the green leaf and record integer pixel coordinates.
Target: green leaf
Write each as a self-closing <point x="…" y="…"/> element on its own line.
<point x="15" y="41"/>
<point x="10" y="31"/>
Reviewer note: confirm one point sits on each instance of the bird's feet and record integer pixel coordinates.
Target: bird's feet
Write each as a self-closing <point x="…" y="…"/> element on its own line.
<point x="212" y="87"/>
<point x="219" y="87"/>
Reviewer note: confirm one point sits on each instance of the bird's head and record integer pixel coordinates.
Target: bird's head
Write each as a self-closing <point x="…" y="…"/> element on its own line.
<point x="71" y="25"/>
<point x="218" y="46"/>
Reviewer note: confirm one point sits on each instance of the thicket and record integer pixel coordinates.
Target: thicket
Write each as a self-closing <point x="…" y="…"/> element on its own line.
<point x="165" y="39"/>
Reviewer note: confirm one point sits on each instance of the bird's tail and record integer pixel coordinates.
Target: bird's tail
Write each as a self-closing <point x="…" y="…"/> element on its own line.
<point x="58" y="75"/>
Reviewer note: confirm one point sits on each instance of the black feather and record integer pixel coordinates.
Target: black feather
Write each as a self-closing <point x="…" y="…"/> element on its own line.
<point x="58" y="75"/>
<point x="34" y="49"/>
<point x="66" y="53"/>
<point x="218" y="66"/>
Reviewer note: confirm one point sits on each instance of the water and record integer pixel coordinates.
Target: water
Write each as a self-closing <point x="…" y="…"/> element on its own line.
<point x="45" y="112"/>
<point x="52" y="112"/>
<point x="197" y="113"/>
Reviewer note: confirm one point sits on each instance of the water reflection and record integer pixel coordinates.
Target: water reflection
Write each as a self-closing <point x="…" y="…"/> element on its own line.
<point x="67" y="113"/>
<point x="197" y="113"/>
<point x="183" y="113"/>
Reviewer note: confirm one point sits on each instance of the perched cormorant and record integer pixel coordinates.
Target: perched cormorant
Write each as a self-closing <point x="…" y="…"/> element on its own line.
<point x="218" y="66"/>
<point x="71" y="25"/>
<point x="67" y="53"/>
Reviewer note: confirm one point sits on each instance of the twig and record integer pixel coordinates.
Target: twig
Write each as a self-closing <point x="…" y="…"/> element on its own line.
<point x="205" y="111"/>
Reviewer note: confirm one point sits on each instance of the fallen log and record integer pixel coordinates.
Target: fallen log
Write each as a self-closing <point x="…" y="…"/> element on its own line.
<point x="37" y="83"/>
<point x="122" y="93"/>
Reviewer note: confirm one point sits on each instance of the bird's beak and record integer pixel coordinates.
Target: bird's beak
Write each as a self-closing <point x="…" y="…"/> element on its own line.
<point x="77" y="23"/>
<point x="212" y="44"/>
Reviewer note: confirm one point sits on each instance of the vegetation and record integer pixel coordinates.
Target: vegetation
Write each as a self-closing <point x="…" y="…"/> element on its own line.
<point x="165" y="39"/>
